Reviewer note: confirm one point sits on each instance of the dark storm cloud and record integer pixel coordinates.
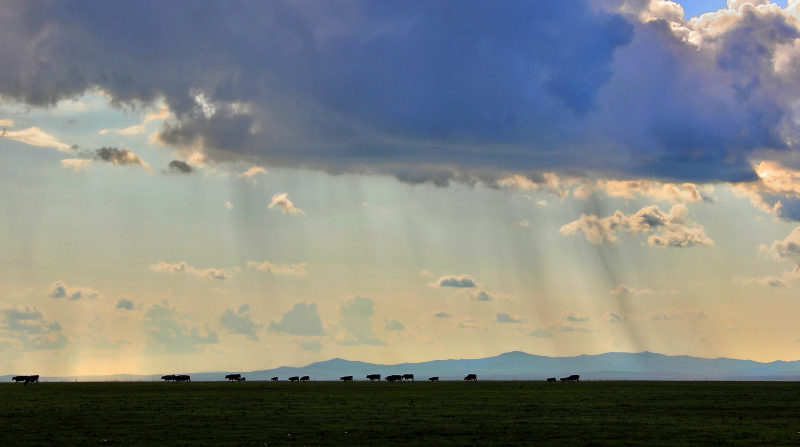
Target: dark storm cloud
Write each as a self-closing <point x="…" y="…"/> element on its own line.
<point x="180" y="167"/>
<point x="424" y="91"/>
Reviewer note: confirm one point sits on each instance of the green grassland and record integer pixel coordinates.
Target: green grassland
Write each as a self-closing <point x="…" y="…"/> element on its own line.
<point x="384" y="414"/>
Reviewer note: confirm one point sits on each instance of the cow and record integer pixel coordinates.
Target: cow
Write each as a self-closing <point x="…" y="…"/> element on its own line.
<point x="294" y="379"/>
<point x="274" y="379"/>
<point x="243" y="379"/>
<point x="183" y="378"/>
<point x="34" y="378"/>
<point x="305" y="379"/>
<point x="408" y="377"/>
<point x="472" y="377"/>
<point x="434" y="379"/>
<point x="551" y="379"/>
<point x="574" y="378"/>
<point x="346" y="378"/>
<point x="19" y="379"/>
<point x="373" y="377"/>
<point x="168" y="378"/>
<point x="26" y="379"/>
<point x="394" y="378"/>
<point x="563" y="379"/>
<point x="232" y="377"/>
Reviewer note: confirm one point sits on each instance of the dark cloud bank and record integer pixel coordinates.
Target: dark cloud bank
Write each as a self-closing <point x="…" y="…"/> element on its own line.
<point x="425" y="91"/>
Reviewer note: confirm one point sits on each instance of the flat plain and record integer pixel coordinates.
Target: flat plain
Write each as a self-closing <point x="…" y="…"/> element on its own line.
<point x="420" y="413"/>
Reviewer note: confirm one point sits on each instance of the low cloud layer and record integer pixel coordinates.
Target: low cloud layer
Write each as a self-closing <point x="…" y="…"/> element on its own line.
<point x="182" y="267"/>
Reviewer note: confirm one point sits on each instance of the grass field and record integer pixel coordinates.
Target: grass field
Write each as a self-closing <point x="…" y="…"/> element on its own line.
<point x="445" y="413"/>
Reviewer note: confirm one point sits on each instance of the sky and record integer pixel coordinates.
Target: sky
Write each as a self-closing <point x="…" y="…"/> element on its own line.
<point x="230" y="186"/>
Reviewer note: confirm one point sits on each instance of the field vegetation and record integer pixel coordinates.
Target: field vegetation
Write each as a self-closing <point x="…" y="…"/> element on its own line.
<point x="384" y="414"/>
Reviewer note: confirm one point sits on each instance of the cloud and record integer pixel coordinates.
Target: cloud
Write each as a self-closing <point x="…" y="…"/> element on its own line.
<point x="481" y="295"/>
<point x="503" y="317"/>
<point x="356" y="313"/>
<point x="282" y="201"/>
<point x="629" y="189"/>
<point x="180" y="167"/>
<point x="661" y="315"/>
<point x="439" y="105"/>
<point x="786" y="250"/>
<point x="442" y="314"/>
<point x="24" y="328"/>
<point x="312" y="346"/>
<point x="255" y="170"/>
<point x="36" y="137"/>
<point x="121" y="157"/>
<point x="625" y="290"/>
<point x="240" y="323"/>
<point x="132" y="130"/>
<point x="182" y="267"/>
<point x="455" y="281"/>
<point x="673" y="229"/>
<point x="76" y="164"/>
<point x="6" y="123"/>
<point x="768" y="281"/>
<point x="301" y="319"/>
<point x="126" y="303"/>
<point x="391" y="324"/>
<point x="298" y="269"/>
<point x="174" y="332"/>
<point x="60" y="290"/>
<point x="540" y="332"/>
<point x="228" y="205"/>
<point x="568" y="327"/>
<point x="614" y="318"/>
<point x="572" y="316"/>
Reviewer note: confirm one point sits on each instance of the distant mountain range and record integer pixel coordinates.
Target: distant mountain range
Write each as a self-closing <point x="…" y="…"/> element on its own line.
<point x="513" y="366"/>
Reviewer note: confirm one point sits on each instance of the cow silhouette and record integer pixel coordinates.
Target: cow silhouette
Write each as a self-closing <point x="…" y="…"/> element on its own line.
<point x="294" y="379"/>
<point x="168" y="378"/>
<point x="183" y="378"/>
<point x="574" y="378"/>
<point x="471" y="377"/>
<point x="394" y="378"/>
<point x="434" y="379"/>
<point x="373" y="377"/>
<point x="551" y="379"/>
<point x="563" y="379"/>
<point x="232" y="377"/>
<point x="274" y="379"/>
<point x="408" y="377"/>
<point x="346" y="378"/>
<point x="26" y="379"/>
<point x="305" y="379"/>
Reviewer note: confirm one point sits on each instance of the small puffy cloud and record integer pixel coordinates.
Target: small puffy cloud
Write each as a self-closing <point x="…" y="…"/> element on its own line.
<point x="356" y="313"/>
<point x="6" y="123"/>
<point x="471" y="324"/>
<point x="76" y="164"/>
<point x="228" y="205"/>
<point x="661" y="315"/>
<point x="542" y="202"/>
<point x="614" y="318"/>
<point x="629" y="189"/>
<point x="174" y="332"/>
<point x="391" y="324"/>
<point x="481" y="295"/>
<point x="301" y="319"/>
<point x="281" y="201"/>
<point x="36" y="137"/>
<point x="182" y="267"/>
<point x="442" y="314"/>
<point x="180" y="167"/>
<point x="503" y="317"/>
<point x="126" y="303"/>
<point x="572" y="316"/>
<point x="425" y="273"/>
<point x="279" y="269"/>
<point x="767" y="281"/>
<point x="255" y="170"/>
<point x="786" y="250"/>
<point x="540" y="332"/>
<point x="240" y="323"/>
<point x="312" y="345"/>
<point x="120" y="157"/>
<point x="524" y="223"/>
<point x="569" y="327"/>
<point x="673" y="229"/>
<point x="455" y="281"/>
<point x="60" y="290"/>
<point x="132" y="130"/>
<point x="24" y="328"/>
<point x="625" y="290"/>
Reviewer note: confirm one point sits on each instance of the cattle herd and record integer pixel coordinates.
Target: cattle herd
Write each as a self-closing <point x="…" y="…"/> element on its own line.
<point x="372" y="377"/>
